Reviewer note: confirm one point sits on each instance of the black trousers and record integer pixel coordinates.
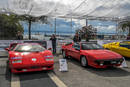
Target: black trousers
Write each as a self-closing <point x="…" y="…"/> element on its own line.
<point x="54" y="48"/>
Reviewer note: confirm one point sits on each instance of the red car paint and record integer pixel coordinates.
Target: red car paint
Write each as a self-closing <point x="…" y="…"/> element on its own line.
<point x="30" y="61"/>
<point x="93" y="55"/>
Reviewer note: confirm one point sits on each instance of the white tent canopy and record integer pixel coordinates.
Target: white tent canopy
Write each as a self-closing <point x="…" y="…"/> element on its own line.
<point x="71" y="8"/>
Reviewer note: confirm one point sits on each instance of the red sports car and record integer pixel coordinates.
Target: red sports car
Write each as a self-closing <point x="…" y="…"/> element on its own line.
<point x="27" y="57"/>
<point x="91" y="54"/>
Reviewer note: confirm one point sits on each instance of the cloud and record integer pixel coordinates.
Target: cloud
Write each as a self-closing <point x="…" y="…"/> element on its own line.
<point x="106" y="29"/>
<point x="78" y="8"/>
<point x="3" y="3"/>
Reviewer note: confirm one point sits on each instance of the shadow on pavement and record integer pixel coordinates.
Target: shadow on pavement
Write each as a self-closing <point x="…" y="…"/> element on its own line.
<point x="8" y="73"/>
<point x="33" y="75"/>
<point x="36" y="79"/>
<point x="128" y="59"/>
<point x="27" y="75"/>
<point x="107" y="72"/>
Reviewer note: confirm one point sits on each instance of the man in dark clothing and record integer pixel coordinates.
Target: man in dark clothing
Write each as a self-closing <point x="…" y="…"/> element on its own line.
<point x="53" y="39"/>
<point x="128" y="37"/>
<point x="76" y="38"/>
<point x="19" y="36"/>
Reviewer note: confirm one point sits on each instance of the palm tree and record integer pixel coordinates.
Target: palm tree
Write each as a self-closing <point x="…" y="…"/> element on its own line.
<point x="125" y="25"/>
<point x="30" y="19"/>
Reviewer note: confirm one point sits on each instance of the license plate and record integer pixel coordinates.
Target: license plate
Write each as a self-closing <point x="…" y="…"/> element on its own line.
<point x="24" y="69"/>
<point x="44" y="68"/>
<point x="34" y="67"/>
<point x="113" y="62"/>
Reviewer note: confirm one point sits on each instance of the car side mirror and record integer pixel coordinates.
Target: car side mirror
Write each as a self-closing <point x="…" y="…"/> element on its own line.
<point x="7" y="49"/>
<point x="49" y="48"/>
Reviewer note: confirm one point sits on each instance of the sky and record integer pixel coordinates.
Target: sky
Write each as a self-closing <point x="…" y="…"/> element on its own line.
<point x="104" y="27"/>
<point x="3" y="3"/>
<point x="98" y="8"/>
<point x="63" y="26"/>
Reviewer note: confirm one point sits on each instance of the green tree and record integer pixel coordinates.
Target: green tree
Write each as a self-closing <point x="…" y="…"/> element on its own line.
<point x="9" y="26"/>
<point x="125" y="24"/>
<point x="30" y="7"/>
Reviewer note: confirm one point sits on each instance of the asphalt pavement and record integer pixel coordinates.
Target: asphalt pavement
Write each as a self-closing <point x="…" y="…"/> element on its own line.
<point x="76" y="76"/>
<point x="5" y="77"/>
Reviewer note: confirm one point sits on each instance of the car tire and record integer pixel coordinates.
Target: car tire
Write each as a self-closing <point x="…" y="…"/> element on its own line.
<point x="64" y="54"/>
<point x="83" y="61"/>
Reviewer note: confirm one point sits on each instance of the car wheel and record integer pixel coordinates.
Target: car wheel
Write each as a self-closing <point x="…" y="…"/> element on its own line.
<point x="84" y="61"/>
<point x="64" y="54"/>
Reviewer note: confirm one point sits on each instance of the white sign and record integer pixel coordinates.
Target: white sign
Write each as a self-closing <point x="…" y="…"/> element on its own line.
<point x="123" y="64"/>
<point x="63" y="65"/>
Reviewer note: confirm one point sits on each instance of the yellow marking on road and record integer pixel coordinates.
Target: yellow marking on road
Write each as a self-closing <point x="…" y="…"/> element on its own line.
<point x="57" y="81"/>
<point x="15" y="81"/>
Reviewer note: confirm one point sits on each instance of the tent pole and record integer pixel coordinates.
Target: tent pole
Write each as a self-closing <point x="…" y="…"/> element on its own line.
<point x="71" y="26"/>
<point x="55" y="27"/>
<point x="86" y="22"/>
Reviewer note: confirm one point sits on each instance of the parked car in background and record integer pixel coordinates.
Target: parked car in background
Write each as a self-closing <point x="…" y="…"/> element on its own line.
<point x="28" y="57"/>
<point x="91" y="54"/>
<point x="122" y="48"/>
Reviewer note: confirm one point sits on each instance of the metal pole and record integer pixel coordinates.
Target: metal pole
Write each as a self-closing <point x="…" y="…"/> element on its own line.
<point x="86" y="22"/>
<point x="71" y="26"/>
<point x="29" y="30"/>
<point x="55" y="27"/>
<point x="117" y="30"/>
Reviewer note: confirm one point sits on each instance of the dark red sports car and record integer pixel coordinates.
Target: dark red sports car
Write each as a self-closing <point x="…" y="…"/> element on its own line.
<point x="91" y="54"/>
<point x="27" y="57"/>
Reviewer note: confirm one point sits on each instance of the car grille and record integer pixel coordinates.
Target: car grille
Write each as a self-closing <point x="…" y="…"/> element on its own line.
<point x="34" y="67"/>
<point x="109" y="62"/>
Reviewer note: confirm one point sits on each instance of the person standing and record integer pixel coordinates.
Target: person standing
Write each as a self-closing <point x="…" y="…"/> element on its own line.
<point x="128" y="37"/>
<point x="76" y="38"/>
<point x="53" y="39"/>
<point x="19" y="36"/>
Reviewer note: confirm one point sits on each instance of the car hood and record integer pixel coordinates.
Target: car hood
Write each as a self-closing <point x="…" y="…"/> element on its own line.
<point x="103" y="54"/>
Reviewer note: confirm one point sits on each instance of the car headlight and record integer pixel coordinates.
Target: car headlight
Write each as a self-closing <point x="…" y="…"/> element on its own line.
<point x="99" y="62"/>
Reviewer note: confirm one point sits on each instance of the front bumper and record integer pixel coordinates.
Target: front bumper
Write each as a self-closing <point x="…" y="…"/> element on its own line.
<point x="107" y="63"/>
<point x="31" y="68"/>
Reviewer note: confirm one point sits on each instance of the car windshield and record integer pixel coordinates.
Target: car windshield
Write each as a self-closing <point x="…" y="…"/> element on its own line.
<point x="125" y="44"/>
<point x="29" y="48"/>
<point x="91" y="46"/>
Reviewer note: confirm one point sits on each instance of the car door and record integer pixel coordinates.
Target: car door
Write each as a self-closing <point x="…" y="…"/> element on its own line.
<point x="76" y="50"/>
